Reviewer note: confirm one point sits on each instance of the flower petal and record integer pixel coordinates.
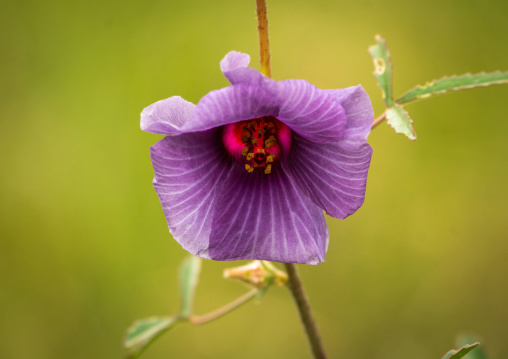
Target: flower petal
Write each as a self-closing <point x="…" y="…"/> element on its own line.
<point x="359" y="114"/>
<point x="260" y="216"/>
<point x="234" y="66"/>
<point x="234" y="60"/>
<point x="334" y="175"/>
<point x="310" y="112"/>
<point x="166" y="116"/>
<point x="231" y="104"/>
<point x="188" y="169"/>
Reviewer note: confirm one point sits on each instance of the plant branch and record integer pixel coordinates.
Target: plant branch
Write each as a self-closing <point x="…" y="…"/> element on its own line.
<point x="205" y="318"/>
<point x="378" y="120"/>
<point x="264" y="45"/>
<point x="295" y="285"/>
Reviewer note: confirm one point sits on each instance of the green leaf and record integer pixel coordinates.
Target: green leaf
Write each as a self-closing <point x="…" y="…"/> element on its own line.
<point x="144" y="331"/>
<point x="382" y="69"/>
<point x="399" y="119"/>
<point x="454" y="83"/>
<point x="460" y="353"/>
<point x="479" y="353"/>
<point x="189" y="276"/>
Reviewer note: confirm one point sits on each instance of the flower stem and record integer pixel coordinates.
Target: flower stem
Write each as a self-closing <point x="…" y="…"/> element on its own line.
<point x="264" y="45"/>
<point x="205" y="318"/>
<point x="378" y="120"/>
<point x="295" y="285"/>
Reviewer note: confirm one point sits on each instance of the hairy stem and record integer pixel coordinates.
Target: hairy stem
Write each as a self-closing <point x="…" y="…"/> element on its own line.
<point x="295" y="285"/>
<point x="264" y="45"/>
<point x="205" y="318"/>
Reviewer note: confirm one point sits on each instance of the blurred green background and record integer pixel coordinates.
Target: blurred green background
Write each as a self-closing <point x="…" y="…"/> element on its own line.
<point x="84" y="247"/>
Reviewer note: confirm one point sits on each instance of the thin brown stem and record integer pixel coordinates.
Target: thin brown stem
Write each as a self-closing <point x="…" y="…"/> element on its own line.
<point x="378" y="120"/>
<point x="295" y="285"/>
<point x="205" y="318"/>
<point x="264" y="45"/>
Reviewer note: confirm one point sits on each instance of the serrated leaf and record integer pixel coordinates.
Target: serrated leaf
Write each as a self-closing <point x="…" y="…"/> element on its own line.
<point x="460" y="353"/>
<point x="454" y="83"/>
<point x="189" y="277"/>
<point x="144" y="331"/>
<point x="399" y="119"/>
<point x="382" y="69"/>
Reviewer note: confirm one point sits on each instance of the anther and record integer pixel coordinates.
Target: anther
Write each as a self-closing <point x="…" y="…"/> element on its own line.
<point x="270" y="142"/>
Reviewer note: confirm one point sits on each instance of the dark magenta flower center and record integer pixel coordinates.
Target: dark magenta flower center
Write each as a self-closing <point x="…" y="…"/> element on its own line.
<point x="260" y="143"/>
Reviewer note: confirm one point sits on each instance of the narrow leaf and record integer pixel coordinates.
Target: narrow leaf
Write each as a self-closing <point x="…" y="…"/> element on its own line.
<point x="478" y="353"/>
<point x="399" y="119"/>
<point x="460" y="353"/>
<point x="144" y="331"/>
<point x="454" y="83"/>
<point x="382" y="69"/>
<point x="189" y="276"/>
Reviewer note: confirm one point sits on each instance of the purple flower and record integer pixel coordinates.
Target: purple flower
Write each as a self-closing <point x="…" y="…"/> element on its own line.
<point x="254" y="165"/>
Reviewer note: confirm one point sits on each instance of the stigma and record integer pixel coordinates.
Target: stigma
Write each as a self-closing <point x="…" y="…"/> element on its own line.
<point x="259" y="143"/>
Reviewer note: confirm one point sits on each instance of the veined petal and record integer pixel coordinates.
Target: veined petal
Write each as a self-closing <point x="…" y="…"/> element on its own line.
<point x="359" y="114"/>
<point x="333" y="175"/>
<point x="310" y="112"/>
<point x="234" y="66"/>
<point x="234" y="60"/>
<point x="265" y="217"/>
<point x="231" y="104"/>
<point x="188" y="169"/>
<point x="166" y="116"/>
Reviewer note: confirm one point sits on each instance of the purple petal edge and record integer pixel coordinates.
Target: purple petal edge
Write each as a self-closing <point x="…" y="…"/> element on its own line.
<point x="188" y="170"/>
<point x="166" y="116"/>
<point x="332" y="175"/>
<point x="359" y="114"/>
<point x="234" y="60"/>
<point x="234" y="66"/>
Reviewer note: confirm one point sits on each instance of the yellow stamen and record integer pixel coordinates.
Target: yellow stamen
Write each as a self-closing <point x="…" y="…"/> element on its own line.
<point x="250" y="156"/>
<point x="268" y="169"/>
<point x="270" y="142"/>
<point x="245" y="150"/>
<point x="249" y="168"/>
